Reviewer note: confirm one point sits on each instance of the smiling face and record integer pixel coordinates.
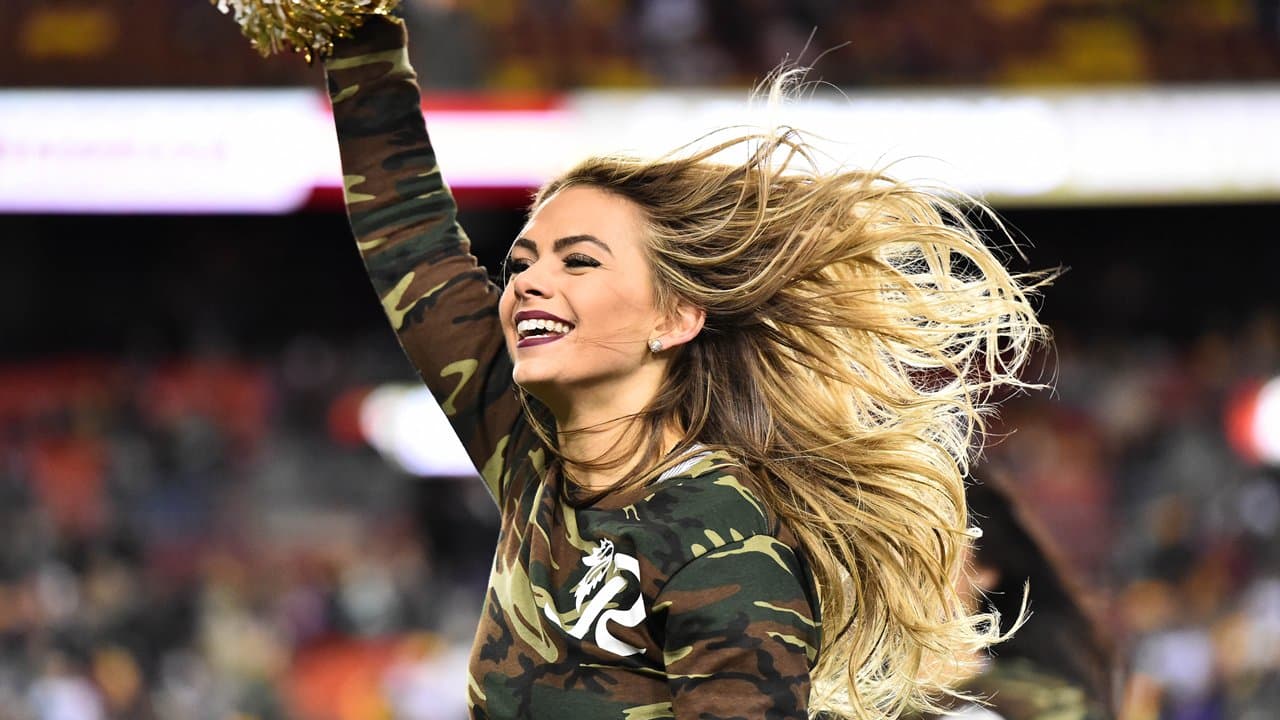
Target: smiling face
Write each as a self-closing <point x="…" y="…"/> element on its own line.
<point x="579" y="306"/>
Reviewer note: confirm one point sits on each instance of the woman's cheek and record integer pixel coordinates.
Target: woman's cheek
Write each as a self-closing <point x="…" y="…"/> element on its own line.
<point x="508" y="331"/>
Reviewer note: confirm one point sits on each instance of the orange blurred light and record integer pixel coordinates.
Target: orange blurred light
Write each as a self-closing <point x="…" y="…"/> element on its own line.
<point x="344" y="417"/>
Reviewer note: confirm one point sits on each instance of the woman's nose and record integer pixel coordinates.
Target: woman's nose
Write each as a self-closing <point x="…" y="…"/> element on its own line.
<point x="532" y="281"/>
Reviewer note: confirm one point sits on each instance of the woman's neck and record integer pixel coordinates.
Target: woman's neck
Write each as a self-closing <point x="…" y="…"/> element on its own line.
<point x="601" y="423"/>
<point x="614" y="441"/>
<point x="611" y="442"/>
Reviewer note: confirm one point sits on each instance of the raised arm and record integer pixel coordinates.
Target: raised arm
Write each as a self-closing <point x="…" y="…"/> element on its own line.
<point x="439" y="301"/>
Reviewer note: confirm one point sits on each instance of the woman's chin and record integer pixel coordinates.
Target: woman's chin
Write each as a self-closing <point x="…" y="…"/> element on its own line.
<point x="540" y="385"/>
<point x="546" y="395"/>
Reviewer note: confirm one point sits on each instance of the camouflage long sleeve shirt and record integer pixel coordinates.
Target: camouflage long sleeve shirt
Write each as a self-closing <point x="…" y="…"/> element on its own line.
<point x="684" y="598"/>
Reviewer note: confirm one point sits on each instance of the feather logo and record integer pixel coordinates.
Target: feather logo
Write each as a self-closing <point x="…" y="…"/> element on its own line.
<point x="599" y="562"/>
<point x="608" y="574"/>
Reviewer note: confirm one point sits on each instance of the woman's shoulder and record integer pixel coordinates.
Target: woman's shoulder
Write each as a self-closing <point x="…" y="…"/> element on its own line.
<point x="712" y="498"/>
<point x="708" y="529"/>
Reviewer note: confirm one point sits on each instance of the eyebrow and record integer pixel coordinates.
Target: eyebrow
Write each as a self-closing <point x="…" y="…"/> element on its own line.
<point x="562" y="243"/>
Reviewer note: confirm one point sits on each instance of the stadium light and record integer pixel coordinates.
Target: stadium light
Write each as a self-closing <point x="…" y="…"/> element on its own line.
<point x="406" y="426"/>
<point x="1253" y="422"/>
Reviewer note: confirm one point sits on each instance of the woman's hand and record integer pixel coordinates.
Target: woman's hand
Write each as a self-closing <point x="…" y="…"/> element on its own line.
<point x="305" y="26"/>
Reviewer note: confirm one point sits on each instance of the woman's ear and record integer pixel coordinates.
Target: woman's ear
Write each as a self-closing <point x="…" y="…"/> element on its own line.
<point x="681" y="326"/>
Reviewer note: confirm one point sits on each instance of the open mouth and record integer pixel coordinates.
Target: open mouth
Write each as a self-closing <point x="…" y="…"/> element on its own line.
<point x="539" y="331"/>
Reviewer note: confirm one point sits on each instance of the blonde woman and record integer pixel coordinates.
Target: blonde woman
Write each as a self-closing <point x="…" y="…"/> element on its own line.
<point x="725" y="411"/>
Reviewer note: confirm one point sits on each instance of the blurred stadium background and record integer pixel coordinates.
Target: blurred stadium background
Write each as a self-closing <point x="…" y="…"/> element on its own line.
<point x="221" y="497"/>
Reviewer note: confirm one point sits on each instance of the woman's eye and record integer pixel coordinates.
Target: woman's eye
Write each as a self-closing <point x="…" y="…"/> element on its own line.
<point x="581" y="261"/>
<point x="516" y="265"/>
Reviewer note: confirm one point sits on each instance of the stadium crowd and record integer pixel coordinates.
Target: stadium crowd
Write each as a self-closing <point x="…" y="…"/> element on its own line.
<point x="550" y="45"/>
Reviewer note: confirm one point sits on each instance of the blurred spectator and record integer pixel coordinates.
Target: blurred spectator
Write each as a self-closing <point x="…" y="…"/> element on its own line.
<point x="449" y="48"/>
<point x="62" y="693"/>
<point x="1060" y="660"/>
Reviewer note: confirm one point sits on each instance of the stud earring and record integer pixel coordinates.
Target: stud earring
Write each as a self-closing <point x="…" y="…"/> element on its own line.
<point x="655" y="346"/>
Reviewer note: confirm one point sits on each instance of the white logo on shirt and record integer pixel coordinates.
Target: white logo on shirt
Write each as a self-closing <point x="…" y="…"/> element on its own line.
<point x="591" y="607"/>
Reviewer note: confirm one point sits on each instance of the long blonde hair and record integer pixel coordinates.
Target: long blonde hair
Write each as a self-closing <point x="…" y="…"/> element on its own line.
<point x="856" y="329"/>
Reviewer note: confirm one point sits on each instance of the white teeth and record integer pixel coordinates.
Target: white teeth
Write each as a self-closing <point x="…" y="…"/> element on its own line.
<point x="552" y="327"/>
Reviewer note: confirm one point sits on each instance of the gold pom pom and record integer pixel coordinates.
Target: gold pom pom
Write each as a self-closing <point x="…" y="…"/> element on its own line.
<point x="305" y="26"/>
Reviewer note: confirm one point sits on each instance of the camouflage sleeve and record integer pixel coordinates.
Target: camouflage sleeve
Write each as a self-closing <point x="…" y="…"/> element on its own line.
<point x="439" y="301"/>
<point x="739" y="633"/>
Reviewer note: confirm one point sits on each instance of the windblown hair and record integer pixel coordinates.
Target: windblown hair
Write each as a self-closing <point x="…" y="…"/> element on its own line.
<point x="856" y="330"/>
